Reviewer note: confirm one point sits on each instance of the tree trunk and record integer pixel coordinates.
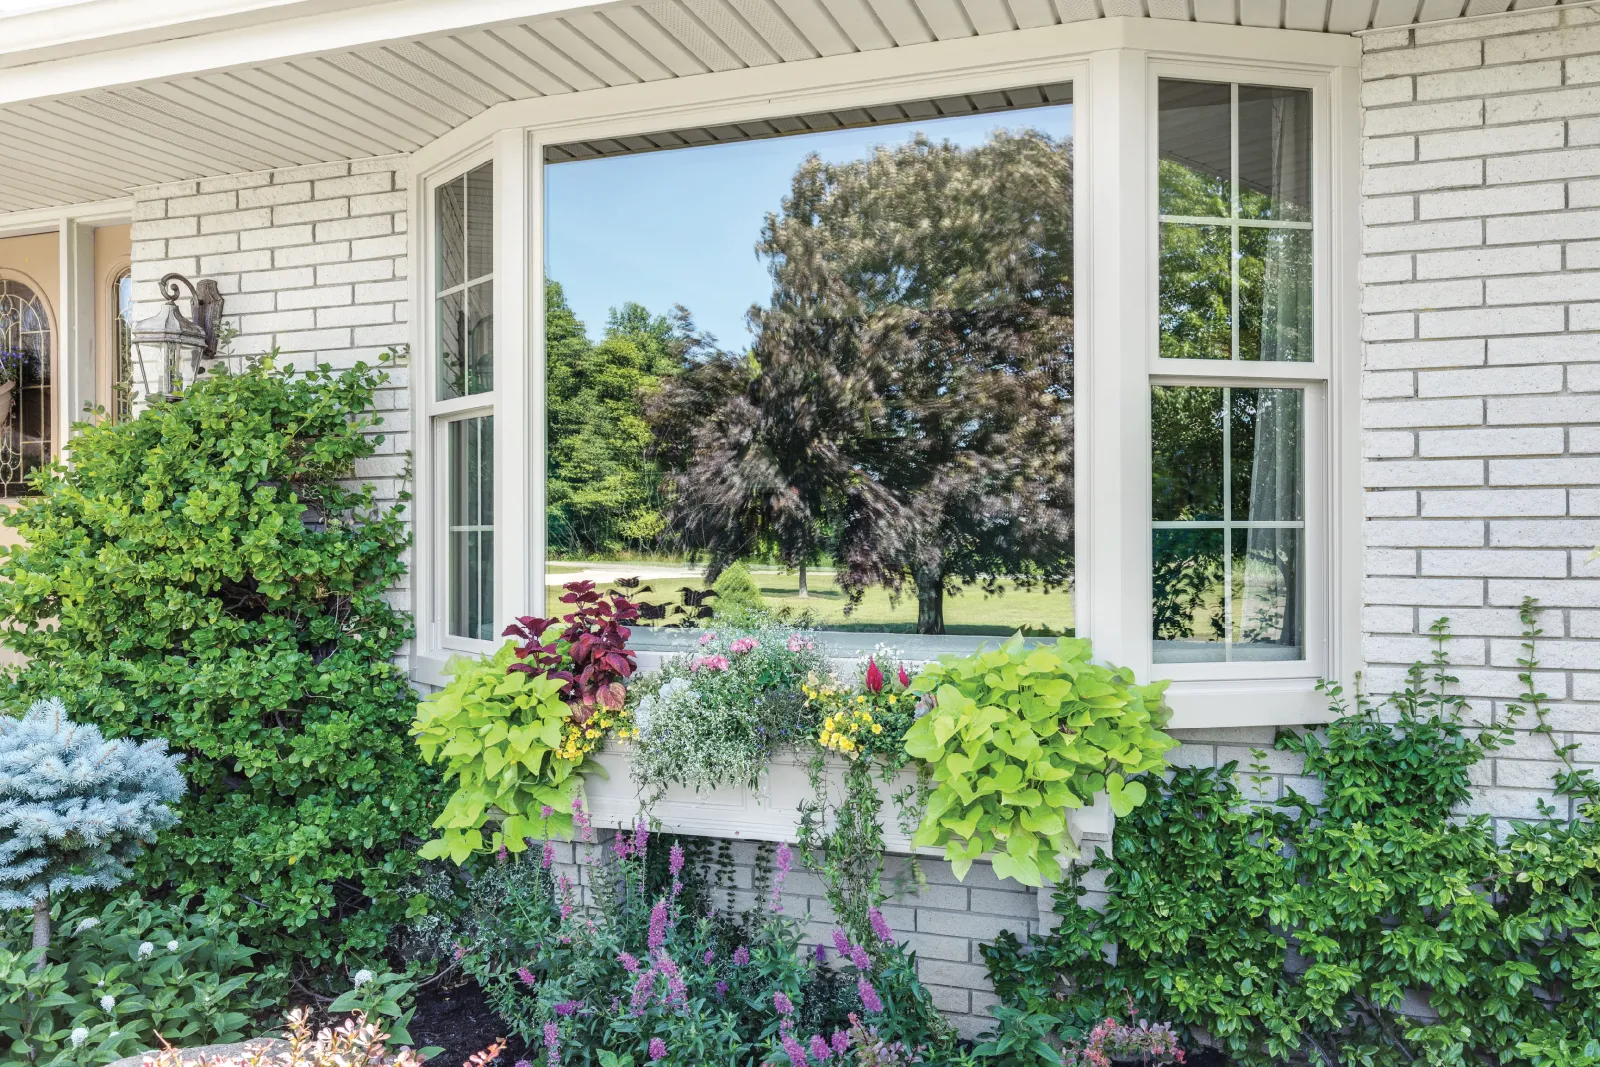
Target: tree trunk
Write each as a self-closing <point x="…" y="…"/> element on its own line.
<point x="930" y="602"/>
<point x="41" y="929"/>
<point x="805" y="590"/>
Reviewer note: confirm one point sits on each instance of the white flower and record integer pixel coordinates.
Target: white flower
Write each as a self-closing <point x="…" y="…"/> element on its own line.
<point x="145" y="948"/>
<point x="108" y="1002"/>
<point x="79" y="1036"/>
<point x="172" y="946"/>
<point x="363" y="976"/>
<point x="87" y="924"/>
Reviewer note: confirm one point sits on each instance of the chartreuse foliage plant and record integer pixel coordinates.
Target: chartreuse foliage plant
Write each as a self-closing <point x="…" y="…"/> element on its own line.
<point x="1365" y="923"/>
<point x="1018" y="735"/>
<point x="498" y="734"/>
<point x="208" y="572"/>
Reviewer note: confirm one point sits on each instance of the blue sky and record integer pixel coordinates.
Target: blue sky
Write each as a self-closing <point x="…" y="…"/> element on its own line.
<point x="680" y="227"/>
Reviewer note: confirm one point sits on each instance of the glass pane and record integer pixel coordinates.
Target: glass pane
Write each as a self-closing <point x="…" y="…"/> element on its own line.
<point x="480" y="222"/>
<point x="471" y="521"/>
<point x="450" y="206"/>
<point x="842" y="361"/>
<point x="1265" y="437"/>
<point x="26" y="411"/>
<point x="451" y="312"/>
<point x="1274" y="153"/>
<point x="1186" y="452"/>
<point x="1196" y="146"/>
<point x="480" y="338"/>
<point x="122" y="383"/>
<point x="1186" y="596"/>
<point x="1275" y="295"/>
<point x="1267" y="601"/>
<point x="1196" y="291"/>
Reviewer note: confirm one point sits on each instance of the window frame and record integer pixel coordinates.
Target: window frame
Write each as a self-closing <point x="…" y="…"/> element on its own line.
<point x="1113" y="65"/>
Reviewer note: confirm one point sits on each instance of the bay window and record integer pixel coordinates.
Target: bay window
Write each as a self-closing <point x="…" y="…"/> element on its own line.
<point x="869" y="354"/>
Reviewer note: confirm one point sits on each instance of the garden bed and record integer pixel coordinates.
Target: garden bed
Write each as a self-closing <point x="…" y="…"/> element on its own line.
<point x="771" y="812"/>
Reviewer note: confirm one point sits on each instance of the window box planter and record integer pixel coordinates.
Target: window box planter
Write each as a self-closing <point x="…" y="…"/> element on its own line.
<point x="770" y="813"/>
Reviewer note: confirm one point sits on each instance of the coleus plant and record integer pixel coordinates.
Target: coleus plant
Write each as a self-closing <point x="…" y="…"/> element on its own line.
<point x="590" y="656"/>
<point x="1019" y="734"/>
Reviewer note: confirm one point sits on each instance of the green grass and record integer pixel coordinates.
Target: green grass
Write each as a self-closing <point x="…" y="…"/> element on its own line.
<point x="970" y="611"/>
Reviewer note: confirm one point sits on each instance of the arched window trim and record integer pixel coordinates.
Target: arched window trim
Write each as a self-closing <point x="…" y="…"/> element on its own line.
<point x="29" y="442"/>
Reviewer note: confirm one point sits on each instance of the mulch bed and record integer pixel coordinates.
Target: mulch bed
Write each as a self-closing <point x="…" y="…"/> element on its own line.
<point x="461" y="1022"/>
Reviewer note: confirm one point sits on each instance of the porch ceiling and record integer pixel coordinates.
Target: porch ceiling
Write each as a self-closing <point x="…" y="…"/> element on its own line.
<point x="297" y="102"/>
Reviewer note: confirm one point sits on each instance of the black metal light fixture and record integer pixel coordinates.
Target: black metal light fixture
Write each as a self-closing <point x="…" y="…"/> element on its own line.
<point x="179" y="343"/>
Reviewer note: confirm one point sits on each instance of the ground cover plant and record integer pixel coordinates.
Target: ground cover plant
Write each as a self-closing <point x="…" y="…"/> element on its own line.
<point x="207" y="573"/>
<point x="1369" y="925"/>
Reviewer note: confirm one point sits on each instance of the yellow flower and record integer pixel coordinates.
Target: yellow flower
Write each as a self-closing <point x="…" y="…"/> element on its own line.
<point x="877" y="729"/>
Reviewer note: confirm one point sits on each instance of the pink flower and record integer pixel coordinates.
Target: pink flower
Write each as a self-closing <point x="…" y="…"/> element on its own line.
<point x="658" y="925"/>
<point x="820" y="1050"/>
<point x="796" y="1054"/>
<point x="880" y="925"/>
<point x="869" y="996"/>
<point x="708" y="637"/>
<point x="675" y="860"/>
<point x="708" y="957"/>
<point x="502" y="853"/>
<point x="710" y="663"/>
<point x="841" y="941"/>
<point x="781" y="1002"/>
<point x="525" y="976"/>
<point x="549" y="858"/>
<point x="552" y="1046"/>
<point x="641" y="838"/>
<point x="821" y="954"/>
<point x="785" y="862"/>
<point x="741" y="956"/>
<point x="643" y="989"/>
<point x="658" y="1049"/>
<point x="569" y="1007"/>
<point x="545" y="811"/>
<point x="905" y="679"/>
<point x="629" y="962"/>
<point x="744" y="644"/>
<point x="722" y="989"/>
<point x="841" y="1042"/>
<point x="798" y="643"/>
<point x="859" y="957"/>
<point x="874" y="679"/>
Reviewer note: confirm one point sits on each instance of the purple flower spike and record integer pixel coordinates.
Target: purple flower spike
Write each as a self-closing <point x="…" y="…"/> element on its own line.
<point x="552" y="1045"/>
<point x="869" y="996"/>
<point x="796" y="1053"/>
<point x="822" y="954"/>
<point x="709" y="957"/>
<point x="820" y="1050"/>
<point x="658" y="925"/>
<point x="629" y="962"/>
<point x="780" y="1001"/>
<point x="722" y="989"/>
<point x="880" y="925"/>
<point x="741" y="956"/>
<point x="525" y="976"/>
<point x="859" y="957"/>
<point x="841" y="1042"/>
<point x="548" y="859"/>
<point x="675" y="860"/>
<point x="658" y="1049"/>
<point x="841" y="941"/>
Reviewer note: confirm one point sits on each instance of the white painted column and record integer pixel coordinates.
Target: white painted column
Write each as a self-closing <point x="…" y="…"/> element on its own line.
<point x="518" y="384"/>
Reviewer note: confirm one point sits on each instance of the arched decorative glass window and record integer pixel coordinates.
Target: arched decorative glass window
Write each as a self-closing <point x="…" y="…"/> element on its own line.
<point x="122" y="368"/>
<point x="26" y="351"/>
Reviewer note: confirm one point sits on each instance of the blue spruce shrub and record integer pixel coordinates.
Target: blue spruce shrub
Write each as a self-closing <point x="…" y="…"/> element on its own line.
<point x="75" y="808"/>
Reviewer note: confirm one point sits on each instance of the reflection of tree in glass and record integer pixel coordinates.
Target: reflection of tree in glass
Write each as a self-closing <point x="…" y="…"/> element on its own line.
<point x="1186" y="585"/>
<point x="907" y="406"/>
<point x="604" y="493"/>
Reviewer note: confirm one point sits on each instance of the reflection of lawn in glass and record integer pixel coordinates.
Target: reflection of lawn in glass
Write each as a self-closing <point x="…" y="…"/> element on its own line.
<point x="967" y="612"/>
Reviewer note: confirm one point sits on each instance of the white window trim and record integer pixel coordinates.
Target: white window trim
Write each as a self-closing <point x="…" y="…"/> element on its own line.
<point x="1112" y="64"/>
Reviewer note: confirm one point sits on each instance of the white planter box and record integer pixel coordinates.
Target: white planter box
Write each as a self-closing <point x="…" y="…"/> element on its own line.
<point x="772" y="812"/>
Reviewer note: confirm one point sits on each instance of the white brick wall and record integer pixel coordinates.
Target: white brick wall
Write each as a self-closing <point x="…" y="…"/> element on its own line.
<point x="1481" y="379"/>
<point x="310" y="260"/>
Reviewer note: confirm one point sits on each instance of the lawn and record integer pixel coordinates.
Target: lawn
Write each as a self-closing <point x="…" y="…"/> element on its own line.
<point x="969" y="611"/>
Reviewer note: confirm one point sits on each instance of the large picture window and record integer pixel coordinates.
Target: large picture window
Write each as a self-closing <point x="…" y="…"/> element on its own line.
<point x="821" y="367"/>
<point x="27" y="350"/>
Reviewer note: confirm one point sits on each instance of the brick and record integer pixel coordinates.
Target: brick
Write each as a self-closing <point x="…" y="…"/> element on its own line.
<point x="1376" y="385"/>
<point x="1426" y="532"/>
<point x="1497" y="200"/>
<point x="1417" y="237"/>
<point x="234" y="181"/>
<point x="1377" y="210"/>
<point x="1566" y="349"/>
<point x="1400" y="561"/>
<point x="278" y="321"/>
<point x="314" y="340"/>
<point x="1379" y="474"/>
<point x="1376" y="151"/>
<point x="356" y="315"/>
<point x="145" y="210"/>
<point x="1419" y="647"/>
<point x="203" y="246"/>
<point x="1489" y="322"/>
<point x="208" y="204"/>
<point x="1386" y="268"/>
<point x="1548" y="409"/>
<point x="1570" y="285"/>
<point x="274" y="280"/>
<point x="373" y="270"/>
<point x="253" y="219"/>
<point x="312" y="254"/>
<point x="156" y="229"/>
<point x="374" y="182"/>
<point x="1488" y="502"/>
<point x="1557" y="104"/>
<point x="1489" y="81"/>
<point x="1521" y="48"/>
<point x="1479" y="262"/>
<point x="1491" y="140"/>
<point x="1585" y="471"/>
<point x="311" y="172"/>
<point x="1380" y="504"/>
<point x="377" y="204"/>
<point x="1401" y="327"/>
<point x="1385" y="39"/>
<point x="276" y="195"/>
<point x="392" y="163"/>
<point x="1489" y="381"/>
<point x="1463" y="292"/>
<point x="1526" y="533"/>
<point x="1491" y="442"/>
<point x="378" y="247"/>
<point x="1413" y="177"/>
<point x="1459" y="29"/>
<point x="348" y="229"/>
<point x="1564" y="226"/>
<point x="1543" y="166"/>
<point x="1464" y="352"/>
<point x="1423" y="59"/>
<point x="276" y="237"/>
<point x="1434" y="592"/>
<point x="1394" y="444"/>
<point x="397" y="334"/>
<point x="1387" y="91"/>
<point x="229" y="262"/>
<point x="1454" y="412"/>
<point x="375" y="292"/>
<point x="1484" y="563"/>
<point x="1414" y="118"/>
<point x="1584" y="439"/>
<point x="1583" y="317"/>
<point x="1584" y="378"/>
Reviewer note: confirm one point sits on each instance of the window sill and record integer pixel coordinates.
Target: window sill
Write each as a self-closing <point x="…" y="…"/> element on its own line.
<point x="1200" y="705"/>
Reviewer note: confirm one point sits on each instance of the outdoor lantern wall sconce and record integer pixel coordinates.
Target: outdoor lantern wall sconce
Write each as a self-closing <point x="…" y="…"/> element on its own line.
<point x="169" y="337"/>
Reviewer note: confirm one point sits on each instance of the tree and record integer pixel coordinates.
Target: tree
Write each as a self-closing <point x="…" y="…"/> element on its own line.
<point x="75" y="809"/>
<point x="911" y="391"/>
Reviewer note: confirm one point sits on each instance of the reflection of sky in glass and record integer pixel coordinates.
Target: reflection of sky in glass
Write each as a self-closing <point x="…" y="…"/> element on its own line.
<point x="680" y="226"/>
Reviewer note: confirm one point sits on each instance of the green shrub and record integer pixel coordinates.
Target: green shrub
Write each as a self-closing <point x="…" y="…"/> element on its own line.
<point x="738" y="598"/>
<point x="202" y="573"/>
<point x="1316" y="927"/>
<point x="116" y="977"/>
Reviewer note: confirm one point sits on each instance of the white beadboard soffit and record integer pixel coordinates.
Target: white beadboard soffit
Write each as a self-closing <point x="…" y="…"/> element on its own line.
<point x="398" y="96"/>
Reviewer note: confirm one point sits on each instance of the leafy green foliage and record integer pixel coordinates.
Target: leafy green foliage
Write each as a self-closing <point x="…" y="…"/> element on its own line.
<point x="1318" y="927"/>
<point x="503" y="738"/>
<point x="115" y="978"/>
<point x="738" y="596"/>
<point x="1016" y="736"/>
<point x="172" y="583"/>
<point x="383" y="998"/>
